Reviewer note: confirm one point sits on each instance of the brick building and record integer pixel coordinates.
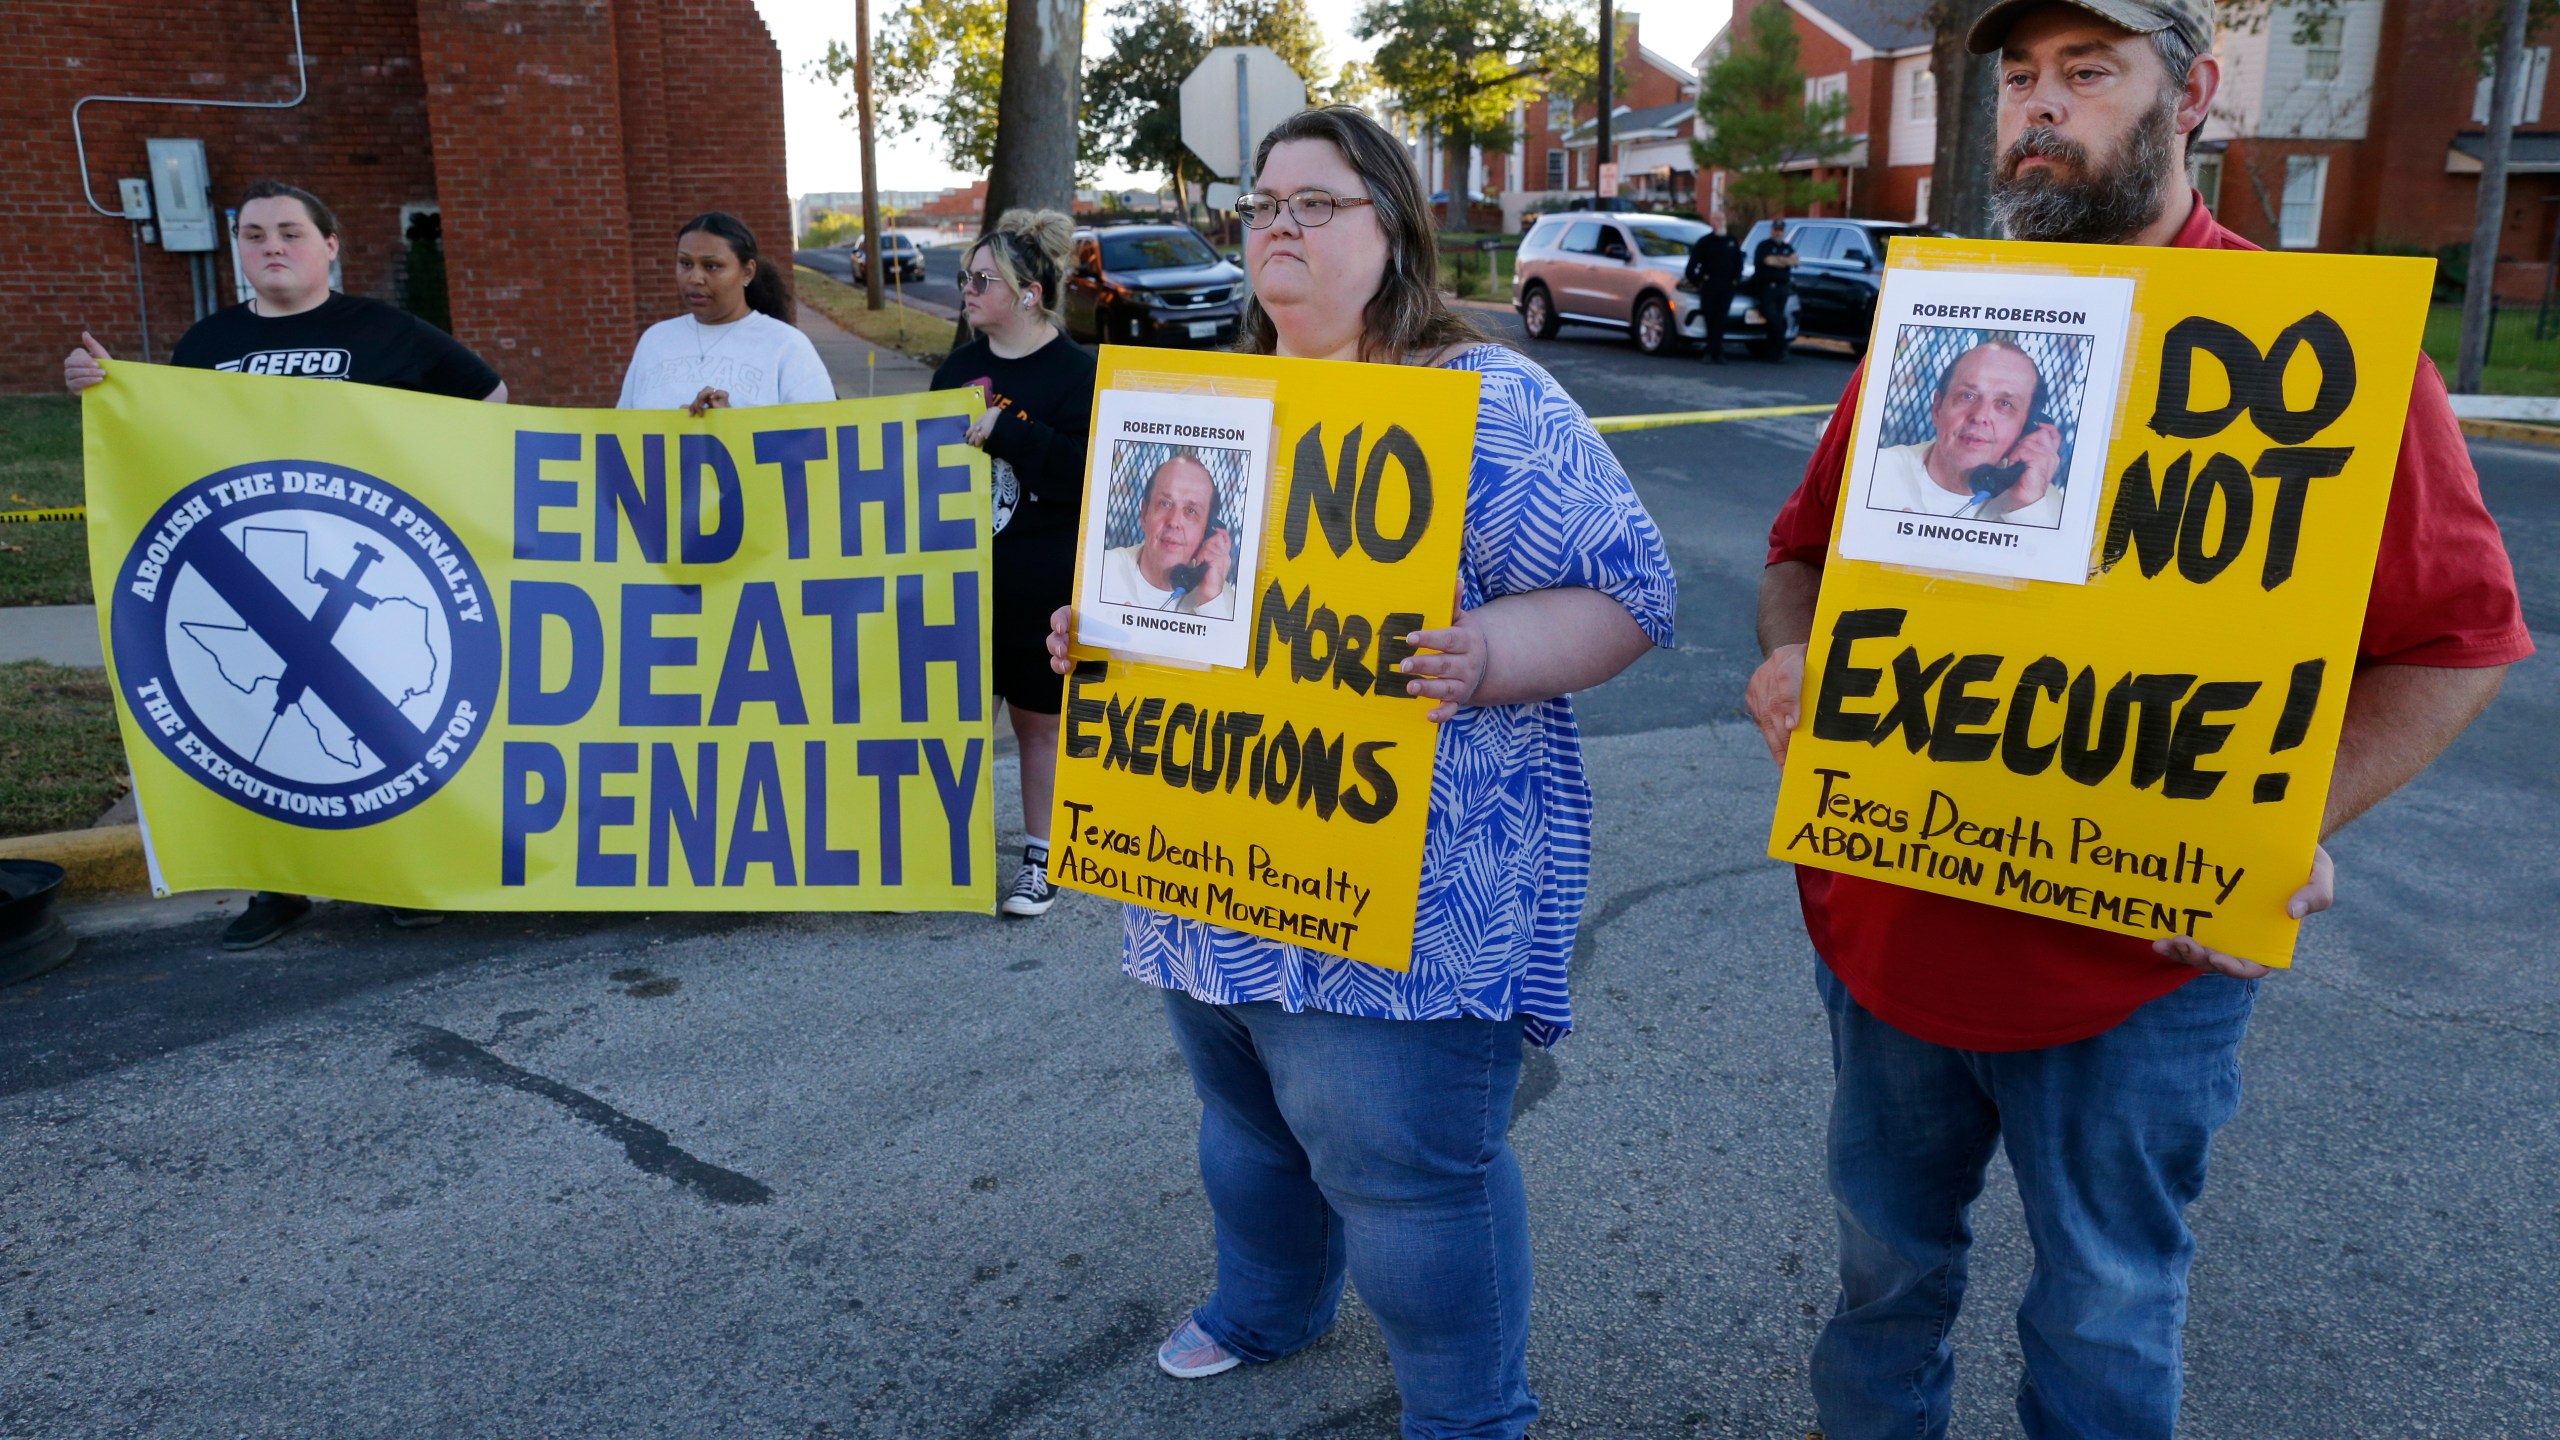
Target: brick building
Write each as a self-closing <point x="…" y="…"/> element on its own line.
<point x="560" y="141"/>
<point x="1876" y="52"/>
<point x="2314" y="142"/>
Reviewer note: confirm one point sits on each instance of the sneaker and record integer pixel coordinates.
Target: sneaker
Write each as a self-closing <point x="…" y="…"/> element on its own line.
<point x="267" y="915"/>
<point x="1189" y="1354"/>
<point x="1032" y="894"/>
<point x="407" y="919"/>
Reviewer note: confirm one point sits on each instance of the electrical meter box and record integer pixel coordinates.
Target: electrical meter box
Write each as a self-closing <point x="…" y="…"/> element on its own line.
<point x="182" y="192"/>
<point x="136" y="195"/>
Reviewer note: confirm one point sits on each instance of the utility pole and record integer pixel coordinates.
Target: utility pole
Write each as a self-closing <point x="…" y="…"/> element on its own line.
<point x="1601" y="153"/>
<point x="870" y="176"/>
<point x="2479" y="290"/>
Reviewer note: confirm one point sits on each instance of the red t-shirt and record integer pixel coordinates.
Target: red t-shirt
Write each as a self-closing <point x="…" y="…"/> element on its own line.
<point x="1978" y="977"/>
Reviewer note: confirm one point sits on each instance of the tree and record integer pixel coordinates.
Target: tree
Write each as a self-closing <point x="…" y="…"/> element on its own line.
<point x="1033" y="166"/>
<point x="1960" y="175"/>
<point x="1133" y="106"/>
<point x="940" y="64"/>
<point x="1460" y="68"/>
<point x="1758" y="123"/>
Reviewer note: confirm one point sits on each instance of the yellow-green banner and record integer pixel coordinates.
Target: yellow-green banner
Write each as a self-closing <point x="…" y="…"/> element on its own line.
<point x="429" y="652"/>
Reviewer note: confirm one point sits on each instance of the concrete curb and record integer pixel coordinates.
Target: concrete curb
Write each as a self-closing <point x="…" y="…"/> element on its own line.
<point x="2512" y="430"/>
<point x="104" y="861"/>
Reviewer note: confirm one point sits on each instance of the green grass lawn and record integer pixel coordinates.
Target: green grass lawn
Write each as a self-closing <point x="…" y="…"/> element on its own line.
<point x="46" y="564"/>
<point x="908" y="331"/>
<point x="61" y="761"/>
<point x="2518" y="363"/>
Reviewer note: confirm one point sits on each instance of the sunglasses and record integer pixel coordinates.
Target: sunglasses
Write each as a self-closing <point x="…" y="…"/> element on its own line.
<point x="1308" y="207"/>
<point x="975" y="282"/>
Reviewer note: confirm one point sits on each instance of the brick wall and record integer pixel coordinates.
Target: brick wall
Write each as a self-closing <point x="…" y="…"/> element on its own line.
<point x="356" y="141"/>
<point x="564" y="141"/>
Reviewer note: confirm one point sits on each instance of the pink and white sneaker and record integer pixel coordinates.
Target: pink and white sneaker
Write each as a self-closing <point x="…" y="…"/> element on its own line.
<point x="1189" y="1354"/>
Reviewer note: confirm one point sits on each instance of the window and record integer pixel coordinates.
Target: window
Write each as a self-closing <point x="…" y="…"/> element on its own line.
<point x="2305" y="176"/>
<point x="1924" y="94"/>
<point x="1163" y="250"/>
<point x="1582" y="239"/>
<point x="2537" y="68"/>
<point x="2205" y="173"/>
<point x="1555" y="169"/>
<point x="1820" y="88"/>
<point x="1920" y="208"/>
<point x="1814" y="242"/>
<point x="2323" y="47"/>
<point x="1663" y="238"/>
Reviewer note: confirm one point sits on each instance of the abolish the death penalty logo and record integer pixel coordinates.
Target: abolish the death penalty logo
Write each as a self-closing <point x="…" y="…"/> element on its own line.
<point x="307" y="641"/>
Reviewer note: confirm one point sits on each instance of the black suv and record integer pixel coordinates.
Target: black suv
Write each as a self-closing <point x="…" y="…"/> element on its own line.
<point x="1839" y="268"/>
<point x="1151" y="285"/>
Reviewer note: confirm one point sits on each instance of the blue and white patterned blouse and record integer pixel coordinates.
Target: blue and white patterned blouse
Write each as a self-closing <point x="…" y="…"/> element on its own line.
<point x="1507" y="855"/>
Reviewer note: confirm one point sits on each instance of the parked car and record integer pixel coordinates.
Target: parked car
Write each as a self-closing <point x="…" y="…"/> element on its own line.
<point x="1622" y="272"/>
<point x="1839" y="268"/>
<point x="899" y="259"/>
<point x="1151" y="285"/>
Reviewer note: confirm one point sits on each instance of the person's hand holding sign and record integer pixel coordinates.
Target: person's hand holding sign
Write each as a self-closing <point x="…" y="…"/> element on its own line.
<point x="82" y="368"/>
<point x="2316" y="895"/>
<point x="711" y="398"/>
<point x="985" y="424"/>
<point x="1775" y="698"/>
<point x="1455" y="672"/>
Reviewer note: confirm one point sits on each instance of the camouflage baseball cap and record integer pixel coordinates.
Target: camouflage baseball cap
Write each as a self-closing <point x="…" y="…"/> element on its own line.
<point x="2192" y="19"/>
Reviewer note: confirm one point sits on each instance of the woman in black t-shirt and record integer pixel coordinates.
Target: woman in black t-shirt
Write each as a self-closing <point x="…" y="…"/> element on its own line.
<point x="294" y="324"/>
<point x="1038" y="386"/>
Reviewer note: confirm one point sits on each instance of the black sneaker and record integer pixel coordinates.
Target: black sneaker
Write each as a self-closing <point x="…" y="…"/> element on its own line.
<point x="1032" y="894"/>
<point x="408" y="919"/>
<point x="267" y="915"/>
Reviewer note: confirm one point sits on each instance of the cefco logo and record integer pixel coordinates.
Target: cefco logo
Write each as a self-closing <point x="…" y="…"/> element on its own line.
<point x="307" y="641"/>
<point x="313" y="364"/>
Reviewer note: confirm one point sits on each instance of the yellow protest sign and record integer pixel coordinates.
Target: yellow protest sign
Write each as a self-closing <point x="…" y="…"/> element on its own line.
<point x="1286" y="795"/>
<point x="429" y="652"/>
<point x="2198" y="445"/>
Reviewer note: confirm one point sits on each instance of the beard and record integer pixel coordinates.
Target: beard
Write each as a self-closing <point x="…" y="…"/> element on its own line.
<point x="2080" y="202"/>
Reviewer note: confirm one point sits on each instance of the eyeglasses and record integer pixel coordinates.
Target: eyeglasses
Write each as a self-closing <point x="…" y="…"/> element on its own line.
<point x="975" y="282"/>
<point x="1307" y="207"/>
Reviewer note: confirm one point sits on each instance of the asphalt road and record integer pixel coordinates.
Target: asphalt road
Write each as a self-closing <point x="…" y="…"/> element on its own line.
<point x="925" y="1176"/>
<point x="940" y="286"/>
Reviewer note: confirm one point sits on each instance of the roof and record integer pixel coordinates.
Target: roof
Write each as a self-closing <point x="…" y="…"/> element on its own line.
<point x="2527" y="154"/>
<point x="1627" y="124"/>
<point x="1885" y="25"/>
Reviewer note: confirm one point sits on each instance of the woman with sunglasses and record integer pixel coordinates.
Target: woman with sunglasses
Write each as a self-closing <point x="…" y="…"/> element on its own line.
<point x="1354" y="1119"/>
<point x="1038" y="387"/>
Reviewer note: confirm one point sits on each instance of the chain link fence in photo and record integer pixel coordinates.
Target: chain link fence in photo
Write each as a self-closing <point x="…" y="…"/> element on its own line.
<point x="1132" y="461"/>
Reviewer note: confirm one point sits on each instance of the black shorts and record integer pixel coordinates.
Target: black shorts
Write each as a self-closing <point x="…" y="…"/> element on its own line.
<point x="1034" y="575"/>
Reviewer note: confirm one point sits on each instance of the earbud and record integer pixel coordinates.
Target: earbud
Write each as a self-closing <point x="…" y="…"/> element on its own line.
<point x="1026" y="302"/>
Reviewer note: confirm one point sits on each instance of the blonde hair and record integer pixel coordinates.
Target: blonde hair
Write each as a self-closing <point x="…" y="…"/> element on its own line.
<point x="1030" y="247"/>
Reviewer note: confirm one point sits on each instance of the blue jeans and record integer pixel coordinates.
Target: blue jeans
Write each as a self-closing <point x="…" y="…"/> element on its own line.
<point x="1338" y="1141"/>
<point x="2107" y="1138"/>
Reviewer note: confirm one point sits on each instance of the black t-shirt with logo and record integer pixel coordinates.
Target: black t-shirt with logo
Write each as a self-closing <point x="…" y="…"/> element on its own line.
<point x="345" y="337"/>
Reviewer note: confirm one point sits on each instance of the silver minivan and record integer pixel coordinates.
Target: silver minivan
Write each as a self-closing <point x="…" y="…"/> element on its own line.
<point x="1611" y="269"/>
<point x="1623" y="271"/>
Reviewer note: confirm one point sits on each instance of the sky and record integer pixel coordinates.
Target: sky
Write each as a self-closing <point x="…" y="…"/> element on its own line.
<point x="824" y="154"/>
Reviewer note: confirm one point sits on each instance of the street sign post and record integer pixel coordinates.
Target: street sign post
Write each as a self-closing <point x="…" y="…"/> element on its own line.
<point x="1230" y="100"/>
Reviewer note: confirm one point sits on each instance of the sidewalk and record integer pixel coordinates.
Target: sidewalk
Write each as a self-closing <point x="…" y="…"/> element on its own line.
<point x="860" y="368"/>
<point x="55" y="634"/>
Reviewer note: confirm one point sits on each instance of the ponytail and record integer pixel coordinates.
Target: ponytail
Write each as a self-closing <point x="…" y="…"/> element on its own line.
<point x="765" y="292"/>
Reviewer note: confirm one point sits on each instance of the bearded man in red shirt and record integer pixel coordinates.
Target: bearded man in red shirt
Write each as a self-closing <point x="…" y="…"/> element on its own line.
<point x="2105" y="1063"/>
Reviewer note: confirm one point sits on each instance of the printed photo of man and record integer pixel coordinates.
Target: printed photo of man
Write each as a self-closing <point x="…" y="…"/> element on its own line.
<point x="1184" y="558"/>
<point x="1992" y="454"/>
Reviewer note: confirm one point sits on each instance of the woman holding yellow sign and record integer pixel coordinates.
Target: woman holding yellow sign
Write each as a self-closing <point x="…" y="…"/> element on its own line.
<point x="1354" y="1117"/>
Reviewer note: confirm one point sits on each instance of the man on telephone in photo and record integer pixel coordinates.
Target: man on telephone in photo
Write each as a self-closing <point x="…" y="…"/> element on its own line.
<point x="1994" y="456"/>
<point x="1185" y="555"/>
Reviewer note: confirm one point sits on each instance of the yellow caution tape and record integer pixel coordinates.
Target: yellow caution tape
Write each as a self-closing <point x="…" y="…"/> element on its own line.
<point x="1607" y="424"/>
<point x="29" y="517"/>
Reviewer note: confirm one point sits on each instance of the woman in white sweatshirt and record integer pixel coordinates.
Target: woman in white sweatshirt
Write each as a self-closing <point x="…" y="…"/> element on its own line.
<point x="735" y="344"/>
